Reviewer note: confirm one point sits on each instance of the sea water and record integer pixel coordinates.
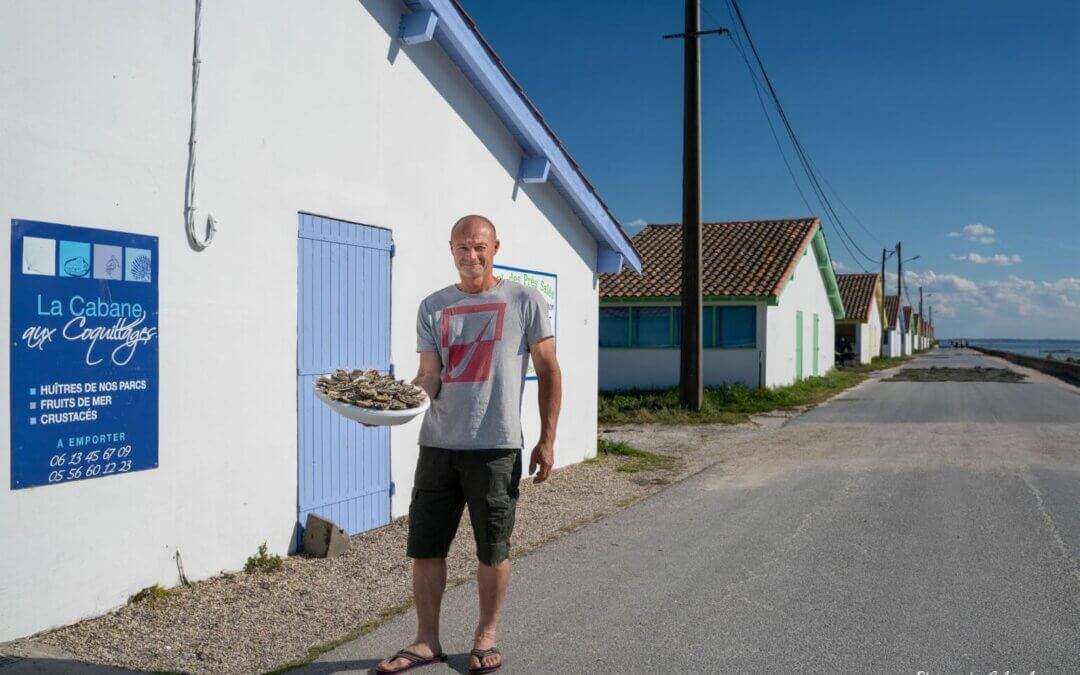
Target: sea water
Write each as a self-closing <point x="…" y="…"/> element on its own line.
<point x="1058" y="349"/>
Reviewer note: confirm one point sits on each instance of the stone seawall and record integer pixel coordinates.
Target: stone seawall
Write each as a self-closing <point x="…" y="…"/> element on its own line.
<point x="1069" y="372"/>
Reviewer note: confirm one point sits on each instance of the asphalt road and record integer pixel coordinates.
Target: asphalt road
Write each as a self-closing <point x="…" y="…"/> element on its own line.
<point x="1039" y="400"/>
<point x="902" y="527"/>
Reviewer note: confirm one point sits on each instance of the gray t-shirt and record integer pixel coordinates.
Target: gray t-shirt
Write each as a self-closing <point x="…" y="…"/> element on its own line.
<point x="483" y="340"/>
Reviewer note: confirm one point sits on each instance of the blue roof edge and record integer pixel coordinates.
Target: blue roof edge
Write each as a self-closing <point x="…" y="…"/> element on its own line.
<point x="457" y="35"/>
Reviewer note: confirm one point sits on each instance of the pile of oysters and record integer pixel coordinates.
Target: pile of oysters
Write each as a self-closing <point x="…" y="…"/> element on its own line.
<point x="369" y="389"/>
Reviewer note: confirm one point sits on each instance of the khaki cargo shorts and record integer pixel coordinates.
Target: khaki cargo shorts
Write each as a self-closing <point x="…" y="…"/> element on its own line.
<point x="446" y="480"/>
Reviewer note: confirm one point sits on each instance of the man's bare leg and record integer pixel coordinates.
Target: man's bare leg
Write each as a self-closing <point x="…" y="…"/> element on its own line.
<point x="429" y="584"/>
<point x="492" y="581"/>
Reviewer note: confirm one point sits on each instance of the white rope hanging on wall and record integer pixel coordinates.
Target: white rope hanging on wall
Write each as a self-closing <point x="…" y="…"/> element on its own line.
<point x="189" y="196"/>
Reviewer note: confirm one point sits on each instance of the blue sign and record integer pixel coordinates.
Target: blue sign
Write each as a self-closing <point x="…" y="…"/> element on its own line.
<point x="84" y="353"/>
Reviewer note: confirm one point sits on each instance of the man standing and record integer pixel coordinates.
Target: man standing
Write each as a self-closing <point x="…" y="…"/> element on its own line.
<point x="474" y="339"/>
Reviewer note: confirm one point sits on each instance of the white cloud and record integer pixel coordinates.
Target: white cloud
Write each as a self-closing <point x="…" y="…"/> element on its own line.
<point x="996" y="259"/>
<point x="838" y="266"/>
<point x="1034" y="299"/>
<point x="636" y="225"/>
<point x="976" y="232"/>
<point x="933" y="282"/>
<point x="1011" y="307"/>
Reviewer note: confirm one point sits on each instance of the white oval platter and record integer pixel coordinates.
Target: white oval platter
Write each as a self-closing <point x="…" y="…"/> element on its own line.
<point x="373" y="416"/>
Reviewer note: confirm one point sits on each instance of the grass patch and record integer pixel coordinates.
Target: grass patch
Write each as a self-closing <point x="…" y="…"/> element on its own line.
<point x="575" y="526"/>
<point x="317" y="651"/>
<point x="153" y="593"/>
<point x="878" y="363"/>
<point x="729" y="404"/>
<point x="643" y="460"/>
<point x="261" y="562"/>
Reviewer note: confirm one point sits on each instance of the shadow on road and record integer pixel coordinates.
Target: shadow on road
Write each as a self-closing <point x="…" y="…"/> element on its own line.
<point x="17" y="665"/>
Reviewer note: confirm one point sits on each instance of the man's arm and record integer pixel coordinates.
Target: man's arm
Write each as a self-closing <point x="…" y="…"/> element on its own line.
<point x="549" y="378"/>
<point x="427" y="375"/>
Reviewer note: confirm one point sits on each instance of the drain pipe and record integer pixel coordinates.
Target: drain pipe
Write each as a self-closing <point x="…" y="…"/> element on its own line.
<point x="194" y="240"/>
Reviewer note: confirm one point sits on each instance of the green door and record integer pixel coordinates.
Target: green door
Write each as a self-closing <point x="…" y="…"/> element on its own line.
<point x="817" y="321"/>
<point x="798" y="346"/>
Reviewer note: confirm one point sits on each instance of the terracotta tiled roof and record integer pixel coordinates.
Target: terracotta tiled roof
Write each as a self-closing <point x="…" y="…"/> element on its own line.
<point x="857" y="292"/>
<point x="907" y="318"/>
<point x="753" y="258"/>
<point x="892" y="308"/>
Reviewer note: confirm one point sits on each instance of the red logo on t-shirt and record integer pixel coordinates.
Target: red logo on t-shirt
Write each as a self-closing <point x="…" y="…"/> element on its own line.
<point x="475" y="330"/>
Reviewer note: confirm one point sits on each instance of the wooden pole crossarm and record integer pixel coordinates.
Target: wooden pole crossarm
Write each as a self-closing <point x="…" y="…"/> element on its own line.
<point x="697" y="33"/>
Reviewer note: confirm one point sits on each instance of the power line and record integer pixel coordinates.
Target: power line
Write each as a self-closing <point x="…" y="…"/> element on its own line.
<point x="764" y="111"/>
<point x="842" y="203"/>
<point x="829" y="211"/>
<point x="808" y="168"/>
<point x="758" y="89"/>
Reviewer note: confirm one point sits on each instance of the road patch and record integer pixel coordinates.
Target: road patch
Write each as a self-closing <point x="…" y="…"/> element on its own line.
<point x="946" y="374"/>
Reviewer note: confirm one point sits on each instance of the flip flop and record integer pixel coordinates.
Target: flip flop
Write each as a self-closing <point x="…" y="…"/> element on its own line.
<point x="482" y="654"/>
<point x="415" y="661"/>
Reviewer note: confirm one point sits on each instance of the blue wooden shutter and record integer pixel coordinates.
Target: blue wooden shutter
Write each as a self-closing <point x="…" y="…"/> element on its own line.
<point x="343" y="321"/>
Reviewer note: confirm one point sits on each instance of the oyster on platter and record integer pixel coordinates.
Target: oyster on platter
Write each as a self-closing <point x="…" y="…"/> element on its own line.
<point x="369" y="389"/>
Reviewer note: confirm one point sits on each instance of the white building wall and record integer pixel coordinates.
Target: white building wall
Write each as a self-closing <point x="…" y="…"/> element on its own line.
<point x="862" y="342"/>
<point x="874" y="326"/>
<point x="312" y="108"/>
<point x="868" y="335"/>
<point x="805" y="292"/>
<point x="659" y="368"/>
<point x="895" y="346"/>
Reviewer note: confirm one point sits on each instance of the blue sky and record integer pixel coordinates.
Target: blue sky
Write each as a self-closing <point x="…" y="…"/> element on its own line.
<point x="926" y="117"/>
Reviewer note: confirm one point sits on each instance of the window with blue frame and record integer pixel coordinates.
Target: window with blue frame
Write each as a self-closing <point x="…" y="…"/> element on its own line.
<point x="708" y="326"/>
<point x="661" y="327"/>
<point x="614" y="326"/>
<point x="652" y="327"/>
<point x="738" y="327"/>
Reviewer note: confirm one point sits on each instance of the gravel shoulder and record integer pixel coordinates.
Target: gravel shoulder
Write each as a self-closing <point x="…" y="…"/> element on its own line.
<point x="243" y="623"/>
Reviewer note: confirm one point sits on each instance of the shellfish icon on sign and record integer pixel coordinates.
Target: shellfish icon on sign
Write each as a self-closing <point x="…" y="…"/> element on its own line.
<point x="139" y="266"/>
<point x="39" y="256"/>
<point x="76" y="267"/>
<point x="108" y="262"/>
<point x="74" y="259"/>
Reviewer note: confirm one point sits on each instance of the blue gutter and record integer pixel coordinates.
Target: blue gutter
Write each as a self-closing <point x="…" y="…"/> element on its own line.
<point x="457" y="35"/>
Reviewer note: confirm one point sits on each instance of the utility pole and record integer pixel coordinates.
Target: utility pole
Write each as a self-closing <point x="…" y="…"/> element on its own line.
<point x="884" y="328"/>
<point x="922" y="322"/>
<point x="900" y="291"/>
<point x="920" y="325"/>
<point x="883" y="268"/>
<point x="691" y="391"/>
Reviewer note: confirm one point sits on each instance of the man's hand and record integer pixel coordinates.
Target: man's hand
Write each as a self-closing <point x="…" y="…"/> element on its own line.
<point x="549" y="396"/>
<point x="543" y="456"/>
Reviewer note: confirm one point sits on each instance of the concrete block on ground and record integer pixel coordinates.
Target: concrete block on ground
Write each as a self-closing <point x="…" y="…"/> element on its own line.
<point x="324" y="539"/>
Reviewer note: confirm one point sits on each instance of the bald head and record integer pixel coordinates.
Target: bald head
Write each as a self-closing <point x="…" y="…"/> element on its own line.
<point x="473" y="245"/>
<point x="473" y="225"/>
